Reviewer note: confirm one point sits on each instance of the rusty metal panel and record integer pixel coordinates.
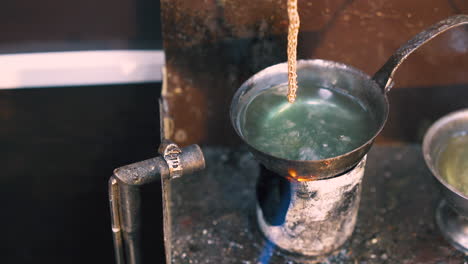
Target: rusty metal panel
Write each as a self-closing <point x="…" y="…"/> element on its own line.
<point x="213" y="46"/>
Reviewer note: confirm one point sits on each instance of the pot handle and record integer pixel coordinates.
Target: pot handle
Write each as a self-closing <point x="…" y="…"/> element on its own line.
<point x="384" y="76"/>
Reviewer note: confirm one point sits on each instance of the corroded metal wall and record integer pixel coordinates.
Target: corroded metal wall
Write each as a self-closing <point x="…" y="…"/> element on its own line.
<point x="213" y="46"/>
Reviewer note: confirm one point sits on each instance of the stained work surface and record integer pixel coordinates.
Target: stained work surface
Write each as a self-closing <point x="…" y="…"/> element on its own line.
<point x="212" y="47"/>
<point x="213" y="214"/>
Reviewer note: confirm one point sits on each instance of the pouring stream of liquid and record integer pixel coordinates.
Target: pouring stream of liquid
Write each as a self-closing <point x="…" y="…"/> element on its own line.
<point x="293" y="31"/>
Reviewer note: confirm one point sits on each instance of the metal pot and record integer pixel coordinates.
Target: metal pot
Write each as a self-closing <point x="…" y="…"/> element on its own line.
<point x="370" y="91"/>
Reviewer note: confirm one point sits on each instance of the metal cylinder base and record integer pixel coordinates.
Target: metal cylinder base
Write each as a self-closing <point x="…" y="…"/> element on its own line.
<point x="453" y="226"/>
<point x="309" y="218"/>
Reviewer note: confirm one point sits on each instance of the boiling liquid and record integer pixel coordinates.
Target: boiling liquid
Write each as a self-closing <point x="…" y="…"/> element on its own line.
<point x="453" y="162"/>
<point x="320" y="124"/>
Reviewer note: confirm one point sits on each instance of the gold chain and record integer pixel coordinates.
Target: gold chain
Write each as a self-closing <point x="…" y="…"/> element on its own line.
<point x="293" y="31"/>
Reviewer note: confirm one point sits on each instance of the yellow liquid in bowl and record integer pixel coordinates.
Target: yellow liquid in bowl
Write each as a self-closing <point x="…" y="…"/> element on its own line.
<point x="453" y="162"/>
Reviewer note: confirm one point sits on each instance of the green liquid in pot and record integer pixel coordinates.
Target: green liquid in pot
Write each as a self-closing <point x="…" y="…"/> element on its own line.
<point x="453" y="162"/>
<point x="321" y="123"/>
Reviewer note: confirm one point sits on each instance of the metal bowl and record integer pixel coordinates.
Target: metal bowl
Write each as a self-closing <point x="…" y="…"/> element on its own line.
<point x="452" y="212"/>
<point x="434" y="143"/>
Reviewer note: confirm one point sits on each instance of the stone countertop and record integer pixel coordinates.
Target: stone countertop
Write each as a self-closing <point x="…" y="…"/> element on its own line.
<point x="213" y="216"/>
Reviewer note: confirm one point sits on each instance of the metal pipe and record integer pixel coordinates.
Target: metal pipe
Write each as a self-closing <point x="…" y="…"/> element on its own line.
<point x="142" y="172"/>
<point x="125" y="197"/>
<point x="125" y="205"/>
<point x="115" y="220"/>
<point x="130" y="207"/>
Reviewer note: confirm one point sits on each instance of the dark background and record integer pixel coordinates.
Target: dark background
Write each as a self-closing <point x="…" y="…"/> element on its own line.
<point x="54" y="25"/>
<point x="59" y="146"/>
